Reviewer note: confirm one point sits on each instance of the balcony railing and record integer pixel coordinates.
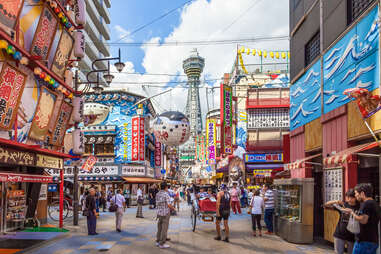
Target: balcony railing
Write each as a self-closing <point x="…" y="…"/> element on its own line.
<point x="268" y="98"/>
<point x="268" y="103"/>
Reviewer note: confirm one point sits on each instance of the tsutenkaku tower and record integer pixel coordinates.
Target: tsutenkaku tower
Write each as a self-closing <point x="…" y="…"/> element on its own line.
<point x="193" y="66"/>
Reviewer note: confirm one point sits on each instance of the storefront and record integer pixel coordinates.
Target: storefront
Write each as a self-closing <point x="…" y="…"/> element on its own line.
<point x="261" y="167"/>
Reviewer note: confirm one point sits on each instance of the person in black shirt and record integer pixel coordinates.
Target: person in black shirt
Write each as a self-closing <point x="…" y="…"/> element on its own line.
<point x="92" y="213"/>
<point x="368" y="216"/>
<point x="342" y="236"/>
<point x="224" y="203"/>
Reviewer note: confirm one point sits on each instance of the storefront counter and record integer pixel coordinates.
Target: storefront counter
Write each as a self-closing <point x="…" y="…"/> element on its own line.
<point x="294" y="232"/>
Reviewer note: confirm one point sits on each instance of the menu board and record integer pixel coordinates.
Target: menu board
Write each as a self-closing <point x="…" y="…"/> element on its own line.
<point x="333" y="184"/>
<point x="12" y="83"/>
<point x="62" y="54"/>
<point x="45" y="32"/>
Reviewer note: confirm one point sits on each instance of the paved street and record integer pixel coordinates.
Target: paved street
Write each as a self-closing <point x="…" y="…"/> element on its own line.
<point x="138" y="236"/>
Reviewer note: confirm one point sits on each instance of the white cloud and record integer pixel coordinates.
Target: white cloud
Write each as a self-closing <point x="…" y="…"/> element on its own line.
<point x="123" y="34"/>
<point x="203" y="20"/>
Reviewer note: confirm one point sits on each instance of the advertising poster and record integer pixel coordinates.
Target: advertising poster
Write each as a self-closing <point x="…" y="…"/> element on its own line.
<point x="9" y="12"/>
<point x="123" y="142"/>
<point x="12" y="83"/>
<point x="157" y="154"/>
<point x="135" y="139"/>
<point x="227" y="115"/>
<point x="63" y="52"/>
<point x="40" y="125"/>
<point x="44" y="34"/>
<point x="62" y="120"/>
<point x="141" y="139"/>
<point x="211" y="139"/>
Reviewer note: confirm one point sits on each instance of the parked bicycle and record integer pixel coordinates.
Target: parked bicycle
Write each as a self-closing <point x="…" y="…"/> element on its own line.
<point x="54" y="209"/>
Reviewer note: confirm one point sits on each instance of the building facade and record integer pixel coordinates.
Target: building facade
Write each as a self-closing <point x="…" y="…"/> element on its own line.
<point x="334" y="46"/>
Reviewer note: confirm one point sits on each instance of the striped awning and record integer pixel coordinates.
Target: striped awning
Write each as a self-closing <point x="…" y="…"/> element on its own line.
<point x="302" y="162"/>
<point x="346" y="155"/>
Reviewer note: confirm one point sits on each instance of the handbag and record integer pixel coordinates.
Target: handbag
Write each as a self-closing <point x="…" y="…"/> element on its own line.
<point x="113" y="206"/>
<point x="353" y="225"/>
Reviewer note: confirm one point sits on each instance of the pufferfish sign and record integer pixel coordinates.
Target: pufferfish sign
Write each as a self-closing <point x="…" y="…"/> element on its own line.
<point x="171" y="128"/>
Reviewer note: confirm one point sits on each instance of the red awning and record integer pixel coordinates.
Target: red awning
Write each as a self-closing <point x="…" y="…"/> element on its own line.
<point x="346" y="155"/>
<point x="25" y="178"/>
<point x="302" y="162"/>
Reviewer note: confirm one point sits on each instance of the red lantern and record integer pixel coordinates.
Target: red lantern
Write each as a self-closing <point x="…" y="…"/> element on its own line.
<point x="57" y="10"/>
<point x="42" y="75"/>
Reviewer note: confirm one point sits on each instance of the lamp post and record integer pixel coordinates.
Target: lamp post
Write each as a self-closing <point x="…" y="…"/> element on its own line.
<point x="97" y="89"/>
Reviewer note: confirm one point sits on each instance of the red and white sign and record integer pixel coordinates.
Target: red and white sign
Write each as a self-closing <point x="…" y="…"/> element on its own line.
<point x="157" y="154"/>
<point x="89" y="163"/>
<point x="24" y="178"/>
<point x="135" y="139"/>
<point x="141" y="139"/>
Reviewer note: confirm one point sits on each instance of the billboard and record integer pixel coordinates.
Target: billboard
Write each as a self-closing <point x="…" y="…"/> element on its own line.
<point x="226" y="118"/>
<point x="123" y="142"/>
<point x="211" y="138"/>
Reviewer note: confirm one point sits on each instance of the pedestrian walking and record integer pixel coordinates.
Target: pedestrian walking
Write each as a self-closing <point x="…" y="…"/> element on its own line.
<point x="91" y="213"/>
<point x="83" y="199"/>
<point x="126" y="195"/>
<point x="140" y="199"/>
<point x="189" y="198"/>
<point x="103" y="201"/>
<point x="250" y="195"/>
<point x="97" y="199"/>
<point x="164" y="208"/>
<point x="256" y="208"/>
<point x="341" y="235"/>
<point x="151" y="196"/>
<point x="368" y="218"/>
<point x="120" y="201"/>
<point x="224" y="202"/>
<point x="235" y="193"/>
<point x="269" y="208"/>
<point x="176" y="201"/>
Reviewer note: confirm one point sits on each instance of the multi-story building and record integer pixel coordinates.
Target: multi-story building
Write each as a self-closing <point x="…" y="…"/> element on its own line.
<point x="334" y="46"/>
<point x="97" y="33"/>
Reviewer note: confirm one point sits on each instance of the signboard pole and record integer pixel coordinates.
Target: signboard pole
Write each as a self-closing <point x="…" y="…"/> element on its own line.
<point x="61" y="197"/>
<point x="75" y="191"/>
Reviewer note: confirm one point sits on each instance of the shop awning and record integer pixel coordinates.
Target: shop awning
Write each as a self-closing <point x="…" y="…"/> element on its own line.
<point x="24" y="178"/>
<point x="346" y="155"/>
<point x="141" y="180"/>
<point x="263" y="166"/>
<point x="302" y="162"/>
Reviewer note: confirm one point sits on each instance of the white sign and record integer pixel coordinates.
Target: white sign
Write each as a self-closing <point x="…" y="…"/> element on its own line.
<point x="95" y="171"/>
<point x="133" y="171"/>
<point x="150" y="172"/>
<point x="43" y="192"/>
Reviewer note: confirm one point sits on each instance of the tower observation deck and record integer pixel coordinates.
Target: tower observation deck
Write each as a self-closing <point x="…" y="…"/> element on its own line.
<point x="193" y="66"/>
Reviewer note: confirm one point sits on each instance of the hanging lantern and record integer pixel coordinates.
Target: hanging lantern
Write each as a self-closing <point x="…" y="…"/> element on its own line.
<point x="259" y="52"/>
<point x="277" y="55"/>
<point x="42" y="75"/>
<point x="69" y="77"/>
<point x="171" y="128"/>
<point x="254" y="52"/>
<point x="78" y="147"/>
<point x="264" y="53"/>
<point x="79" y="44"/>
<point x="47" y="78"/>
<point x="288" y="55"/>
<point x="80" y="12"/>
<point x="271" y="54"/>
<point x="53" y="4"/>
<point x="17" y="55"/>
<point x="55" y="85"/>
<point x="37" y="71"/>
<point x="10" y="50"/>
<point x="248" y="51"/>
<point x="57" y="10"/>
<point x="52" y="81"/>
<point x="3" y="44"/>
<point x="283" y="55"/>
<point x="242" y="50"/>
<point x="24" y="60"/>
<point x="77" y="109"/>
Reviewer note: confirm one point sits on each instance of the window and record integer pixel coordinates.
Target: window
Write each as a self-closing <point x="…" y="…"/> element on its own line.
<point x="89" y="149"/>
<point x="265" y="118"/>
<point x="109" y="149"/>
<point x="312" y="49"/>
<point x="356" y="8"/>
<point x="99" y="149"/>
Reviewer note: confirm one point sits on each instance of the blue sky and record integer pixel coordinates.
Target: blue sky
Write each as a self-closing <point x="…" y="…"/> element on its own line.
<point x="131" y="14"/>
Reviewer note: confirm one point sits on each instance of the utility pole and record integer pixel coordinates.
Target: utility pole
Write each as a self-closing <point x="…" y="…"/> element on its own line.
<point x="75" y="191"/>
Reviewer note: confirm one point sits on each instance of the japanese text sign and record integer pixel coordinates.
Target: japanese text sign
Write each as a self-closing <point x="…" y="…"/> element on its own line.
<point x="157" y="154"/>
<point x="63" y="118"/>
<point x="89" y="163"/>
<point x="211" y="139"/>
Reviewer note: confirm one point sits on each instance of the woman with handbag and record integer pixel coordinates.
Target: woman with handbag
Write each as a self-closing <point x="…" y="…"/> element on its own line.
<point x="257" y="206"/>
<point x="342" y="235"/>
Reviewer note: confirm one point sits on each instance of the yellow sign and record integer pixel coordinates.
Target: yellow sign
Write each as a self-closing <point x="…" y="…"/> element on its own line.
<point x="49" y="162"/>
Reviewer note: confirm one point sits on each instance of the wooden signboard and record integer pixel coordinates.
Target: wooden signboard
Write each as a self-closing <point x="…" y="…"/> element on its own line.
<point x="62" y="120"/>
<point x="14" y="157"/>
<point x="40" y="124"/>
<point x="56" y="110"/>
<point x="12" y="83"/>
<point x="63" y="52"/>
<point x="9" y="13"/>
<point x="44" y="35"/>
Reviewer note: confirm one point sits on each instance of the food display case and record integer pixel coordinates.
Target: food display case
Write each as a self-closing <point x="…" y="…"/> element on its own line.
<point x="294" y="209"/>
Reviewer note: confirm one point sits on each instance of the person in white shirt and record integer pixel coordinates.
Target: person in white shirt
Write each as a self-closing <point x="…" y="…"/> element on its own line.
<point x="120" y="201"/>
<point x="257" y="205"/>
<point x="250" y="195"/>
<point x="140" y="199"/>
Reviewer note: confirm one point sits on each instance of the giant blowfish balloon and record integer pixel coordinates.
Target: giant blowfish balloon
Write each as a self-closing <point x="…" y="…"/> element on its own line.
<point x="171" y="128"/>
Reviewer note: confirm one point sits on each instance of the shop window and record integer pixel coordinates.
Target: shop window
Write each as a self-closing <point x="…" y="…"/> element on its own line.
<point x="89" y="149"/>
<point x="356" y="8"/>
<point x="109" y="149"/>
<point x="99" y="149"/>
<point x="312" y="49"/>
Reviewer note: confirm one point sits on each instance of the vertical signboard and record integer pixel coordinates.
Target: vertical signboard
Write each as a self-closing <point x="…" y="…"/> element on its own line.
<point x="10" y="11"/>
<point x="43" y="37"/>
<point x="135" y="139"/>
<point x="211" y="139"/>
<point x="141" y="139"/>
<point x="60" y="129"/>
<point x="62" y="54"/>
<point x="12" y="83"/>
<point x="226" y="118"/>
<point x="157" y="154"/>
<point x="123" y="142"/>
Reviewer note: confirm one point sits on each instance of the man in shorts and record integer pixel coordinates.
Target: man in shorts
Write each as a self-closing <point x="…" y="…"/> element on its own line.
<point x="223" y="212"/>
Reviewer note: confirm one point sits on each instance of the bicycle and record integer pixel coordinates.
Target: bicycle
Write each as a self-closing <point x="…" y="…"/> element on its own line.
<point x="54" y="209"/>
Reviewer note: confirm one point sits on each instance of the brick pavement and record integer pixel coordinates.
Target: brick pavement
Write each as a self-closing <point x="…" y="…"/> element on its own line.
<point x="138" y="236"/>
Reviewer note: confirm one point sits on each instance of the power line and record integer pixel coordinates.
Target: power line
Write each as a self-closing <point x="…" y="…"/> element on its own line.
<point x="153" y="21"/>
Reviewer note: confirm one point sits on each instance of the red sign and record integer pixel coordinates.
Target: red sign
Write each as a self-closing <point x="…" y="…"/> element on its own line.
<point x="135" y="139"/>
<point x="43" y="37"/>
<point x="157" y="154"/>
<point x="23" y="178"/>
<point x="141" y="140"/>
<point x="12" y="83"/>
<point x="89" y="163"/>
